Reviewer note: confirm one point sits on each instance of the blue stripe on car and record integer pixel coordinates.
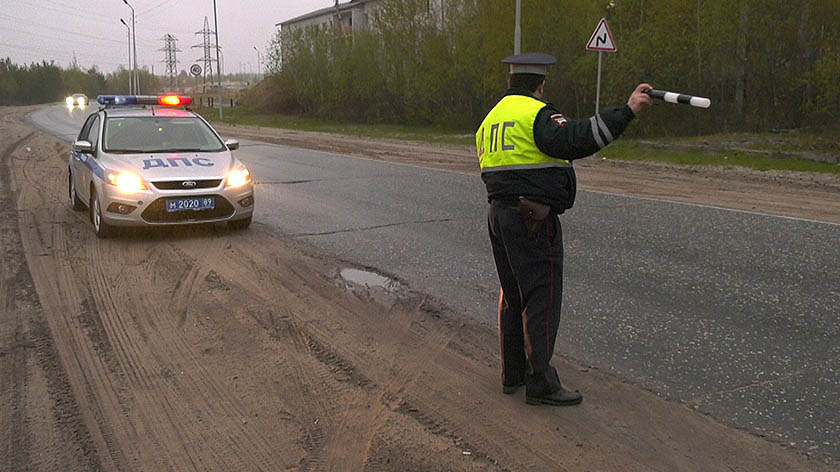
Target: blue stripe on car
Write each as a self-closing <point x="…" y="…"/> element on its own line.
<point x="91" y="164"/>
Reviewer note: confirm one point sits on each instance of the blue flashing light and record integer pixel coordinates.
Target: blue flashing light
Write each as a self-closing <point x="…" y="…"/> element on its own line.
<point x="117" y="99"/>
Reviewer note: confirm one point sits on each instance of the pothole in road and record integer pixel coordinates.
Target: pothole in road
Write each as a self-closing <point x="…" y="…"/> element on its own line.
<point x="370" y="280"/>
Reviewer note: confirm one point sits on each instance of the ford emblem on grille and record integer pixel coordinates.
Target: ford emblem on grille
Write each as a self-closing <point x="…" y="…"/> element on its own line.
<point x="189" y="183"/>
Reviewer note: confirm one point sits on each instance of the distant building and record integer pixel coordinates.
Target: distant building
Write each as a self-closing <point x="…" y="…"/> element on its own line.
<point x="352" y="15"/>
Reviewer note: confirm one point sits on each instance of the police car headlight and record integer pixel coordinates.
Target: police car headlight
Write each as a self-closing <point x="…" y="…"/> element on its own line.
<point x="238" y="177"/>
<point x="126" y="182"/>
<point x="69" y="101"/>
<point x="81" y="101"/>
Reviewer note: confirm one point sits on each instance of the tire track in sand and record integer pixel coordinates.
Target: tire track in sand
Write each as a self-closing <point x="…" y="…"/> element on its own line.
<point x="307" y="372"/>
<point x="46" y="231"/>
<point x="122" y="342"/>
<point x="167" y="376"/>
<point x="354" y="421"/>
<point x="44" y="431"/>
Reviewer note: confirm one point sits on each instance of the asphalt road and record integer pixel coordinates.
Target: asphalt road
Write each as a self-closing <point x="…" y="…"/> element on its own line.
<point x="735" y="314"/>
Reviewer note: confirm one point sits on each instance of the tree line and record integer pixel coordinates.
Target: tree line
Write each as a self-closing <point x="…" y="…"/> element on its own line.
<point x="765" y="64"/>
<point x="46" y="82"/>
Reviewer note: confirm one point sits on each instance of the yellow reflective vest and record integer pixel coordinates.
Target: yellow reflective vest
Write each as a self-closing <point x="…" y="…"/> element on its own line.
<point x="505" y="140"/>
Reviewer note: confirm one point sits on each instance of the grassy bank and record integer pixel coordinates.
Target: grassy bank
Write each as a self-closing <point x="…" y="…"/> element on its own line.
<point x="789" y="151"/>
<point x="645" y="150"/>
<point x="240" y="116"/>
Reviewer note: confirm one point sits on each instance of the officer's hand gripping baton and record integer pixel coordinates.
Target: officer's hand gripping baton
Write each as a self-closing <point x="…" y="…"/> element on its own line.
<point x="673" y="97"/>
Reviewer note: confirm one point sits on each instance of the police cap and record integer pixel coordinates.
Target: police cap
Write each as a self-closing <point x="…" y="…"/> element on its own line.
<point x="530" y="63"/>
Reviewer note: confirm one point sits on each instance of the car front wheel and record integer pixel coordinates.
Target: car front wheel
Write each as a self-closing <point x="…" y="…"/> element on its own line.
<point x="75" y="201"/>
<point x="100" y="227"/>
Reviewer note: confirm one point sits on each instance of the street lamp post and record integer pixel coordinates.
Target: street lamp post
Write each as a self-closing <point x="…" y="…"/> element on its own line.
<point x="259" y="69"/>
<point x="517" y="32"/>
<point x="134" y="40"/>
<point x="218" y="63"/>
<point x="128" y="34"/>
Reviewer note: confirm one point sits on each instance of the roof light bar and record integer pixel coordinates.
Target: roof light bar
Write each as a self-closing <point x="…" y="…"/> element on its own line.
<point x="174" y="100"/>
<point x="117" y="99"/>
<point x="125" y="100"/>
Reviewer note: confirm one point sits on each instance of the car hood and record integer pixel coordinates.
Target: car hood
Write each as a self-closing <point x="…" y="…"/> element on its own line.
<point x="177" y="166"/>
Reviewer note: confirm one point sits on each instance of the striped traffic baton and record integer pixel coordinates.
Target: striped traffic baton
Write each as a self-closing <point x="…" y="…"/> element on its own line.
<point x="673" y="97"/>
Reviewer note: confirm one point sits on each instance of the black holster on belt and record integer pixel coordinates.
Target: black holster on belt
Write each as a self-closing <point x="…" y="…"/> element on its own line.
<point x="533" y="215"/>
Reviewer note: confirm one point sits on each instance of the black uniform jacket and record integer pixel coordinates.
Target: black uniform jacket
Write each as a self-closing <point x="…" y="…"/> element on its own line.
<point x="559" y="137"/>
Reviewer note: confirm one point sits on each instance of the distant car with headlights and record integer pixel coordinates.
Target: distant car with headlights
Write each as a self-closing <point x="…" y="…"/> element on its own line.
<point x="77" y="100"/>
<point x="142" y="161"/>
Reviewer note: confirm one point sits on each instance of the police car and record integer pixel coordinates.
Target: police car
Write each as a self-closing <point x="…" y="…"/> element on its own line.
<point x="142" y="161"/>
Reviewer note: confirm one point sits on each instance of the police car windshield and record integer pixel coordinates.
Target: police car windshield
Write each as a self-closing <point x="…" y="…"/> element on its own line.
<point x="156" y="134"/>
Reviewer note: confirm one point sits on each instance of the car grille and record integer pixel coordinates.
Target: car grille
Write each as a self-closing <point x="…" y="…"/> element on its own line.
<point x="156" y="212"/>
<point x="179" y="184"/>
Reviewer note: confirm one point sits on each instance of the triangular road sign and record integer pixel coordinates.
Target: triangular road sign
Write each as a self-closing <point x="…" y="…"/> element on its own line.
<point x="601" y="39"/>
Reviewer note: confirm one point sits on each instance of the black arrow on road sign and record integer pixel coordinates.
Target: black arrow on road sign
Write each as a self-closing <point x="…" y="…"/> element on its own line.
<point x="601" y="39"/>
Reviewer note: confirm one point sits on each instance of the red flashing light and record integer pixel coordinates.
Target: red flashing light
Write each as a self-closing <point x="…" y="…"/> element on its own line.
<point x="174" y="100"/>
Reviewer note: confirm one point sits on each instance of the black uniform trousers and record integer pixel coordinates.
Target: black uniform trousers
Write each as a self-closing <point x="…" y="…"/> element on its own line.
<point x="530" y="272"/>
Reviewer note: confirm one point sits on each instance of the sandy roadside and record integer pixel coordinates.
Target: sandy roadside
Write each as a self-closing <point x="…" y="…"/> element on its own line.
<point x="215" y="350"/>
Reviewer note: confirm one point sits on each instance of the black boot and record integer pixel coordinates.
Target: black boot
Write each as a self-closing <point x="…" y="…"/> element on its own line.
<point x="561" y="397"/>
<point x="510" y="389"/>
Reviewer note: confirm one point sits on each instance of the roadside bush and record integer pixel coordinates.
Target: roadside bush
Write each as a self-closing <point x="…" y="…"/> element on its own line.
<point x="420" y="65"/>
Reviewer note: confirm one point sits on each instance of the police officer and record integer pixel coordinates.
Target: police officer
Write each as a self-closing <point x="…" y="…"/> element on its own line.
<point x="525" y="149"/>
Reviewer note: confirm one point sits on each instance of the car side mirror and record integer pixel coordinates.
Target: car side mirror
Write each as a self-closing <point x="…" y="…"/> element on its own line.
<point x="82" y="146"/>
<point x="232" y="144"/>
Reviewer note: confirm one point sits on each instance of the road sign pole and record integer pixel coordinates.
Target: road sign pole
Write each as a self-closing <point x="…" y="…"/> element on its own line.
<point x="195" y="71"/>
<point x="600" y="41"/>
<point x="598" y="86"/>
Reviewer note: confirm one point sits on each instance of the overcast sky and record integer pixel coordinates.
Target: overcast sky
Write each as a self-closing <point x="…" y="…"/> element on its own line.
<point x="55" y="30"/>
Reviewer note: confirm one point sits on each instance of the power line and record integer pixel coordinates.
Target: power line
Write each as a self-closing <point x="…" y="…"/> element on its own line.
<point x="161" y="29"/>
<point x="73" y="12"/>
<point x="85" y="36"/>
<point x="154" y="7"/>
<point x="76" y="8"/>
<point x="42" y="50"/>
<point x="157" y="27"/>
<point x="53" y="28"/>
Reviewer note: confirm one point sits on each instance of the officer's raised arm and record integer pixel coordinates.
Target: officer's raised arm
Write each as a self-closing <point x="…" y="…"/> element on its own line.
<point x="563" y="138"/>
